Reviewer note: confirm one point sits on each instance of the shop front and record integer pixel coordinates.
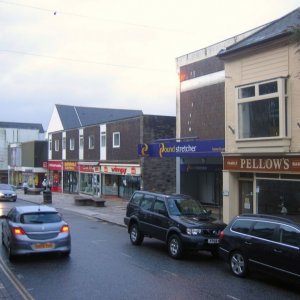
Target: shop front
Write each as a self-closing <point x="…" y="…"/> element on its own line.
<point x="55" y="175"/>
<point x="70" y="177"/>
<point x="120" y="180"/>
<point x="261" y="184"/>
<point x="89" y="179"/>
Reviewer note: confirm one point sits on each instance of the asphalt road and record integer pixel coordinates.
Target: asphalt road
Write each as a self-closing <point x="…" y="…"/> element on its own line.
<point x="104" y="265"/>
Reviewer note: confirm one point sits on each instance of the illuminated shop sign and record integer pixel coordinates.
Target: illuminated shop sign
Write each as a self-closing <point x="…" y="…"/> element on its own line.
<point x="70" y="166"/>
<point x="121" y="170"/>
<point x="183" y="149"/>
<point x="263" y="164"/>
<point x="54" y="165"/>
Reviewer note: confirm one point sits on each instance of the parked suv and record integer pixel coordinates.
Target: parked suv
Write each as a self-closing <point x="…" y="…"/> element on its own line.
<point x="178" y="220"/>
<point x="262" y="242"/>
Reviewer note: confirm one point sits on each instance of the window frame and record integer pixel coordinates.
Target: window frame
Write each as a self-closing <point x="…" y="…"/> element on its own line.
<point x="115" y="135"/>
<point x="56" y="145"/>
<point x="283" y="107"/>
<point x="91" y="142"/>
<point x="72" y="144"/>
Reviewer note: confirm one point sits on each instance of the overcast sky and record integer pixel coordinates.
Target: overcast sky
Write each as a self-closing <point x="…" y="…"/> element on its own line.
<point x="111" y="54"/>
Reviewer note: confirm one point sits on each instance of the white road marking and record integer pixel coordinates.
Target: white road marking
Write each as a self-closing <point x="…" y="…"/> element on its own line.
<point x="232" y="297"/>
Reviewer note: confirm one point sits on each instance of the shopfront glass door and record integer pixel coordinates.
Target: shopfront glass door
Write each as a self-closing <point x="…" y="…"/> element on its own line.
<point x="246" y="197"/>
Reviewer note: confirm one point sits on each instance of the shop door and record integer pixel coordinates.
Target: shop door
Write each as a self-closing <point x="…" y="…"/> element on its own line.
<point x="246" y="197"/>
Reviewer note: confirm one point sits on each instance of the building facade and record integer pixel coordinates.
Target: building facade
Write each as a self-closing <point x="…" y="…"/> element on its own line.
<point x="16" y="133"/>
<point x="262" y="114"/>
<point x="200" y="120"/>
<point x="100" y="157"/>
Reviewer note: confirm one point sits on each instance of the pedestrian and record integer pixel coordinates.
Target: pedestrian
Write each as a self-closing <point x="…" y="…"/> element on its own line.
<point x="45" y="183"/>
<point x="25" y="187"/>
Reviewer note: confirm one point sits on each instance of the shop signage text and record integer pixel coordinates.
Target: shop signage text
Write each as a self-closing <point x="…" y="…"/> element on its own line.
<point x="121" y="170"/>
<point x="182" y="149"/>
<point x="70" y="166"/>
<point x="263" y="164"/>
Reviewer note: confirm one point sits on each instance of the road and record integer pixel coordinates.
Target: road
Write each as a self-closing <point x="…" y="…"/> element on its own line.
<point x="104" y="265"/>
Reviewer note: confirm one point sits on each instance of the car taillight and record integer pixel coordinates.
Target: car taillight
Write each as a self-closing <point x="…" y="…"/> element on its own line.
<point x="18" y="231"/>
<point x="221" y="234"/>
<point x="65" y="228"/>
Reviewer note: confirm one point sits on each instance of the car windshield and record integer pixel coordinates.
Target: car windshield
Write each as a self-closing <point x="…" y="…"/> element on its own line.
<point x="185" y="206"/>
<point x="5" y="187"/>
<point x="40" y="218"/>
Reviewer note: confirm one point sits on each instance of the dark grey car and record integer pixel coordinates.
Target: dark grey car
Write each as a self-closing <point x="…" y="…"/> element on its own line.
<point x="35" y="229"/>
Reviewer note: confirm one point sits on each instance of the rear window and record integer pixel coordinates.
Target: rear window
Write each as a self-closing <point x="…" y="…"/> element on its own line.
<point x="242" y="226"/>
<point x="136" y="198"/>
<point x="40" y="218"/>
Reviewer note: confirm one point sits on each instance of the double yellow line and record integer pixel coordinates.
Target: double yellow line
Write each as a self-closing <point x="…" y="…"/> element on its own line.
<point x="14" y="280"/>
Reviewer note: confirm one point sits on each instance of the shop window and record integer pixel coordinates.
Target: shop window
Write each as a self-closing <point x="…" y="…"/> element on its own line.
<point x="91" y="142"/>
<point x="116" y="140"/>
<point x="56" y="145"/>
<point x="72" y="144"/>
<point x="262" y="109"/>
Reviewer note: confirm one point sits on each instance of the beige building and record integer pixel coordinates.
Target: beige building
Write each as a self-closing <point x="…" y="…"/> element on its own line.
<point x="262" y="122"/>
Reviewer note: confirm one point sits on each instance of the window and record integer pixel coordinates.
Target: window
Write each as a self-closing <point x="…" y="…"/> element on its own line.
<point x="289" y="235"/>
<point x="91" y="142"/>
<point x="103" y="139"/>
<point x="159" y="206"/>
<point x="147" y="201"/>
<point x="242" y="226"/>
<point x="116" y="139"/>
<point x="262" y="109"/>
<point x="136" y="198"/>
<point x="81" y="142"/>
<point x="72" y="144"/>
<point x="264" y="230"/>
<point x="56" y="145"/>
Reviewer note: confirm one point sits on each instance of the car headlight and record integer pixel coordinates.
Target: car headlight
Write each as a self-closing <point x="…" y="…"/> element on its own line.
<point x="1" y="194"/>
<point x="193" y="231"/>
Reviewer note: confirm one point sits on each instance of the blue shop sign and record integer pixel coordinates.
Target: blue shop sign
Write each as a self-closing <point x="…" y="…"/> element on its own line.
<point x="182" y="149"/>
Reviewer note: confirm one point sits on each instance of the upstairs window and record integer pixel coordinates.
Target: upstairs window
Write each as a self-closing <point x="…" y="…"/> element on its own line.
<point x="81" y="142"/>
<point x="91" y="142"/>
<point x="72" y="144"/>
<point x="56" y="145"/>
<point x="262" y="109"/>
<point x="116" y="140"/>
<point x="103" y="139"/>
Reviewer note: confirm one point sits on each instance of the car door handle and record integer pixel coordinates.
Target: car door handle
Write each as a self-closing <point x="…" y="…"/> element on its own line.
<point x="248" y="243"/>
<point x="277" y="250"/>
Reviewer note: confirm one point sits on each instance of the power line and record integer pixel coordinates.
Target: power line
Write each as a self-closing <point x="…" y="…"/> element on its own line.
<point x="57" y="12"/>
<point x="85" y="61"/>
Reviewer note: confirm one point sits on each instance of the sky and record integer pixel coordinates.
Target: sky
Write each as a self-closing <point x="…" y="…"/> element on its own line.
<point x="111" y="54"/>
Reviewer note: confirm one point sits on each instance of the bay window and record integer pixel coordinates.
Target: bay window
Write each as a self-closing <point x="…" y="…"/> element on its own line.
<point x="262" y="109"/>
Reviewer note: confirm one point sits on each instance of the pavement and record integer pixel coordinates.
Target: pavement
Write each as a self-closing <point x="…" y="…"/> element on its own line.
<point x="113" y="212"/>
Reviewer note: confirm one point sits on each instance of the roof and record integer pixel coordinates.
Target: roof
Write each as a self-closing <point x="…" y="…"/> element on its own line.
<point x="35" y="208"/>
<point x="274" y="30"/>
<point x="17" y="125"/>
<point x="78" y="116"/>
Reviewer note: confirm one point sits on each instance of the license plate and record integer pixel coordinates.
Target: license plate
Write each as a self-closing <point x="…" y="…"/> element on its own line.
<point x="43" y="246"/>
<point x="213" y="241"/>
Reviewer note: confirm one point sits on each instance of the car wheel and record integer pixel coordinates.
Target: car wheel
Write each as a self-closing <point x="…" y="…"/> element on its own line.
<point x="136" y="236"/>
<point x="175" y="246"/>
<point x="238" y="264"/>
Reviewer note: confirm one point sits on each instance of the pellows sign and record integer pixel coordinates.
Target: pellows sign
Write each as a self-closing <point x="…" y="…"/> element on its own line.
<point x="263" y="164"/>
<point x="182" y="149"/>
